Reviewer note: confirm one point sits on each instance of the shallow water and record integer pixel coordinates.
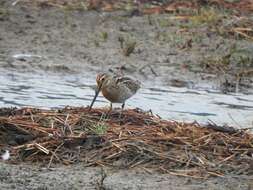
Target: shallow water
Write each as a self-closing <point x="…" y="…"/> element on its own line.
<point x="54" y="90"/>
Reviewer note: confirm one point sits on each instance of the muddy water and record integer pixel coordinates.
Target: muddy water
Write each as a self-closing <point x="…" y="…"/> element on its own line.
<point x="54" y="90"/>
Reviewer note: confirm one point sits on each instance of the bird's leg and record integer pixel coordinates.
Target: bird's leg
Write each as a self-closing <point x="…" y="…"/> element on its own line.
<point x="121" y="111"/>
<point x="122" y="106"/>
<point x="110" y="109"/>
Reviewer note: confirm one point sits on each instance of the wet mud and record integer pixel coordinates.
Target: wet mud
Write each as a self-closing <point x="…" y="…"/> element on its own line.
<point x="79" y="177"/>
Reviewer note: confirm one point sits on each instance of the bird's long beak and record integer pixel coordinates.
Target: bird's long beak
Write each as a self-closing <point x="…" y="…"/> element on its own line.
<point x="95" y="97"/>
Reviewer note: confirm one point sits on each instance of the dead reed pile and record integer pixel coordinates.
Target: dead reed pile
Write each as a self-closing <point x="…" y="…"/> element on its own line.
<point x="136" y="139"/>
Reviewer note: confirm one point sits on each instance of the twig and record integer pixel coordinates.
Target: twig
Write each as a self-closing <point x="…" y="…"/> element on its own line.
<point x="54" y="155"/>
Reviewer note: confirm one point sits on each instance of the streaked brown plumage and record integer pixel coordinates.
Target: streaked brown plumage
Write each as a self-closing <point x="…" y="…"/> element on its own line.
<point x="116" y="89"/>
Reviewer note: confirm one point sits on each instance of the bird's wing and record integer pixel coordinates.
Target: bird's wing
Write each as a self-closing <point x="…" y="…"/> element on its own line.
<point x="133" y="85"/>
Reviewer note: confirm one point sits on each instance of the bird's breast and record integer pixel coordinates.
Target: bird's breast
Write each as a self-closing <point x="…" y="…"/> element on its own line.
<point x="113" y="95"/>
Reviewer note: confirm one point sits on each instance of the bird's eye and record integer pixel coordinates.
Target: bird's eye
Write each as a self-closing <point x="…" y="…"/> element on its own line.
<point x="102" y="79"/>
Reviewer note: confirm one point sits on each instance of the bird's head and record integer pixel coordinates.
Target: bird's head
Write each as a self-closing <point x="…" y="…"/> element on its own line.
<point x="101" y="81"/>
<point x="101" y="78"/>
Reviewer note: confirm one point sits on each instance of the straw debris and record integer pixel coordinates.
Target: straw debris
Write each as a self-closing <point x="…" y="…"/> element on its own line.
<point x="136" y="139"/>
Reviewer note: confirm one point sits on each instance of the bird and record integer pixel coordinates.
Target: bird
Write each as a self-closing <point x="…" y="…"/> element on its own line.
<point x="115" y="88"/>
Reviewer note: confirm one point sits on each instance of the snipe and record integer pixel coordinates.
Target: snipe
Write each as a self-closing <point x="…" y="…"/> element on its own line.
<point x="116" y="89"/>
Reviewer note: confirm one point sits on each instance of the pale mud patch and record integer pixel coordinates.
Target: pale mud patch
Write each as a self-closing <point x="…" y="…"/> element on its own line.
<point x="26" y="176"/>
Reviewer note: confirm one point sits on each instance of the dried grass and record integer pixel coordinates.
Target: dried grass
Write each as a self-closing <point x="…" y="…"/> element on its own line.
<point x="137" y="139"/>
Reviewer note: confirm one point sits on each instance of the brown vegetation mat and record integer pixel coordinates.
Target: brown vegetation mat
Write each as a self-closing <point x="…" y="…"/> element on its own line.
<point x="136" y="139"/>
